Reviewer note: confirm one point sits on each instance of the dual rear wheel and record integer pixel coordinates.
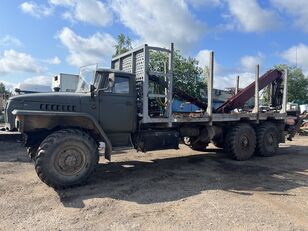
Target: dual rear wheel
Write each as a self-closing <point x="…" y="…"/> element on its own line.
<point x="242" y="141"/>
<point x="67" y="157"/>
<point x="267" y="139"/>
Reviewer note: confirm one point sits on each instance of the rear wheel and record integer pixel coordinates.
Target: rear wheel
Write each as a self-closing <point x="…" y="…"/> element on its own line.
<point x="66" y="158"/>
<point x="240" y="142"/>
<point x="267" y="139"/>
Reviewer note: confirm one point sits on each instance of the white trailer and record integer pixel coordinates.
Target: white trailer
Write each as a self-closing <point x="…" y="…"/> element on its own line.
<point x="65" y="82"/>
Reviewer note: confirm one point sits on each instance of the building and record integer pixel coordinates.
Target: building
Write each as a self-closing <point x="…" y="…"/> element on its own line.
<point x="65" y="82"/>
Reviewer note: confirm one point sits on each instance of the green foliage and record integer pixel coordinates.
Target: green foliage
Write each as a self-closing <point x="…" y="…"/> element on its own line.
<point x="124" y="44"/>
<point x="266" y="96"/>
<point x="2" y="88"/>
<point x="187" y="74"/>
<point x="297" y="84"/>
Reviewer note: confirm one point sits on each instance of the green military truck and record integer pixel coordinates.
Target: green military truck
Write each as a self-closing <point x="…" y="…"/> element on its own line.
<point x="130" y="106"/>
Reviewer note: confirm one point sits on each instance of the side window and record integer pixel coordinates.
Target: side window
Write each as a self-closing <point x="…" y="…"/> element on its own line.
<point x="121" y="85"/>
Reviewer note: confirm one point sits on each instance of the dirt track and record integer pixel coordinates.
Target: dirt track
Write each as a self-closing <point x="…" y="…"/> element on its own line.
<point x="166" y="190"/>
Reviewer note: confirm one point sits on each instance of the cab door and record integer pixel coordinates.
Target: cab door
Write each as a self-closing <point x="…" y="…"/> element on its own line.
<point x="117" y="106"/>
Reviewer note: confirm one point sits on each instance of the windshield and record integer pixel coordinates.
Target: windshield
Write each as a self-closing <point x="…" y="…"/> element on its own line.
<point x="86" y="78"/>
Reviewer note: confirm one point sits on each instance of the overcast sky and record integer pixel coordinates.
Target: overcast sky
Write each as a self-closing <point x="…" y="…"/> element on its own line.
<point x="41" y="38"/>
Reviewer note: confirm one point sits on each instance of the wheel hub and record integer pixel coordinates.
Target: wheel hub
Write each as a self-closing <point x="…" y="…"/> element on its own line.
<point x="70" y="161"/>
<point x="244" y="141"/>
<point x="270" y="139"/>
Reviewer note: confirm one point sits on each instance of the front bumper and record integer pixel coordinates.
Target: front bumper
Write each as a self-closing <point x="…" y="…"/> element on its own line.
<point x="8" y="136"/>
<point x="9" y="118"/>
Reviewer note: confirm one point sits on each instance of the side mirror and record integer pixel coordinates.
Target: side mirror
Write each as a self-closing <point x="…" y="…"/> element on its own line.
<point x="92" y="89"/>
<point x="111" y="79"/>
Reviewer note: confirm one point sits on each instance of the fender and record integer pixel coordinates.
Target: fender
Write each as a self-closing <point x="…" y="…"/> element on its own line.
<point x="32" y="120"/>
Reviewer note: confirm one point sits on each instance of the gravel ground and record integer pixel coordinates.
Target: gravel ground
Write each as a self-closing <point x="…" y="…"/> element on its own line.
<point x="165" y="190"/>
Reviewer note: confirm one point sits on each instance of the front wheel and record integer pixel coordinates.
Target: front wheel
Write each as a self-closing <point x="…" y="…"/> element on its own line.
<point x="66" y="158"/>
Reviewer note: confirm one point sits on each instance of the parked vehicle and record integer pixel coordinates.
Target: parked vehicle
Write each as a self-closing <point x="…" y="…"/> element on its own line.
<point x="121" y="108"/>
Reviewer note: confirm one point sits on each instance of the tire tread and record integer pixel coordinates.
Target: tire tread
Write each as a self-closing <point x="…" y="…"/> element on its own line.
<point x="260" y="131"/>
<point x="230" y="141"/>
<point x="49" y="142"/>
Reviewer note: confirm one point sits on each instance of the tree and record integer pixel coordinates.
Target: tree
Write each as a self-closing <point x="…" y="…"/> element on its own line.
<point x="266" y="96"/>
<point x="2" y="88"/>
<point x="297" y="84"/>
<point x="124" y="44"/>
<point x="187" y="74"/>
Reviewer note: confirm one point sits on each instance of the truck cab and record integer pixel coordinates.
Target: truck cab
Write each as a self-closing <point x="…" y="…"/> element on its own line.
<point x="115" y="96"/>
<point x="105" y="100"/>
<point x="103" y="109"/>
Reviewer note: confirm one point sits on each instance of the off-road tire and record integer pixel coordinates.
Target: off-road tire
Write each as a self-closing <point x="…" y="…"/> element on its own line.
<point x="267" y="139"/>
<point x="240" y="142"/>
<point x="66" y="158"/>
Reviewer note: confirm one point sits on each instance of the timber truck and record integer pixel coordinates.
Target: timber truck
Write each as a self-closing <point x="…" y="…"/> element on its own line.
<point x="130" y="106"/>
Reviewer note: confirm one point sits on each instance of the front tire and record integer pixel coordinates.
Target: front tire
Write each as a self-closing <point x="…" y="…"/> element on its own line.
<point x="66" y="158"/>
